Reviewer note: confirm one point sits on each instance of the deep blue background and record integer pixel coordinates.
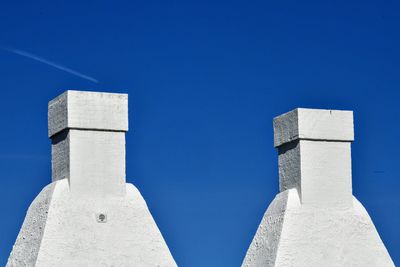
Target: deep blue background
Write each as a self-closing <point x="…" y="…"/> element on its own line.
<point x="205" y="79"/>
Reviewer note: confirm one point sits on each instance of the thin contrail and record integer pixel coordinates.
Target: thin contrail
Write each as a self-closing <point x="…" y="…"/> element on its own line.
<point x="45" y="61"/>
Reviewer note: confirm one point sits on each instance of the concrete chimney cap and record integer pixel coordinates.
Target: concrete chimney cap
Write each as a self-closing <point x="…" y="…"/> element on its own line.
<point x="88" y="110"/>
<point x="313" y="124"/>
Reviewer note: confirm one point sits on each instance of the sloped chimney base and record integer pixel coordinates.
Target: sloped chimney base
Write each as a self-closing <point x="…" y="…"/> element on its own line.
<point x="62" y="229"/>
<point x="294" y="235"/>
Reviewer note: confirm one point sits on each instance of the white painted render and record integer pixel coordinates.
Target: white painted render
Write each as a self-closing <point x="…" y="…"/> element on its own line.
<point x="62" y="229"/>
<point x="88" y="110"/>
<point x="97" y="163"/>
<point x="292" y="234"/>
<point x="315" y="220"/>
<point x="88" y="215"/>
<point x="314" y="124"/>
<point x="320" y="170"/>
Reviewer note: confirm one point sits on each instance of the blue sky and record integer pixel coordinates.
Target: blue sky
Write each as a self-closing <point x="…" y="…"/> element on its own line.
<point x="205" y="79"/>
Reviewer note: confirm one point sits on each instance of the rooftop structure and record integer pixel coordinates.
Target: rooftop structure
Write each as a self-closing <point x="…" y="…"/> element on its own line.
<point x="315" y="220"/>
<point x="89" y="215"/>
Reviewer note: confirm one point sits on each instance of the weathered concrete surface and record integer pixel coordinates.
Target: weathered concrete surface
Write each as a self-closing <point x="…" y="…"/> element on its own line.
<point x="88" y="215"/>
<point x="315" y="220"/>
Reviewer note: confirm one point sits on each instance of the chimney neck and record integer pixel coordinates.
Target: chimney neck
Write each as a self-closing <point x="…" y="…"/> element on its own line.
<point x="87" y="130"/>
<point x="314" y="148"/>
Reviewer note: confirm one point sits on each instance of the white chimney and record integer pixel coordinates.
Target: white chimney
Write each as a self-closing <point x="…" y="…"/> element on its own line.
<point x="315" y="155"/>
<point x="87" y="130"/>
<point x="88" y="215"/>
<point x="315" y="220"/>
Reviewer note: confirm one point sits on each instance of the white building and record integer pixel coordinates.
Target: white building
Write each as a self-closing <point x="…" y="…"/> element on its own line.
<point x="88" y="215"/>
<point x="315" y="220"/>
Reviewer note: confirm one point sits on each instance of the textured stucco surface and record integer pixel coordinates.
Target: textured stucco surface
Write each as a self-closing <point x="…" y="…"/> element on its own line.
<point x="315" y="220"/>
<point x="27" y="245"/>
<point x="72" y="235"/>
<point x="289" y="166"/>
<point x="88" y="110"/>
<point x="314" y="124"/>
<point x="97" y="162"/>
<point x="60" y="158"/>
<point x="264" y="247"/>
<point x="325" y="173"/>
<point x="58" y="114"/>
<point x="319" y="170"/>
<point x="294" y="235"/>
<point x="88" y="215"/>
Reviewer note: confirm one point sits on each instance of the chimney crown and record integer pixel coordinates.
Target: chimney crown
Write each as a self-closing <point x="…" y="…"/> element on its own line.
<point x="88" y="111"/>
<point x="313" y="124"/>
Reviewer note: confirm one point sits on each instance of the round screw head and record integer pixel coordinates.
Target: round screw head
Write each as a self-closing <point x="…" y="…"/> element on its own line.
<point x="101" y="217"/>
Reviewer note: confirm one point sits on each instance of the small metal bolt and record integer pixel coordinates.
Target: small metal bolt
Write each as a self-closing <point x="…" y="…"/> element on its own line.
<point x="101" y="217"/>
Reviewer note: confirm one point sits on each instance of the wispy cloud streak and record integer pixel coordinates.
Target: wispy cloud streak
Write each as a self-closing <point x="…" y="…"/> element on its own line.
<point x="47" y="62"/>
